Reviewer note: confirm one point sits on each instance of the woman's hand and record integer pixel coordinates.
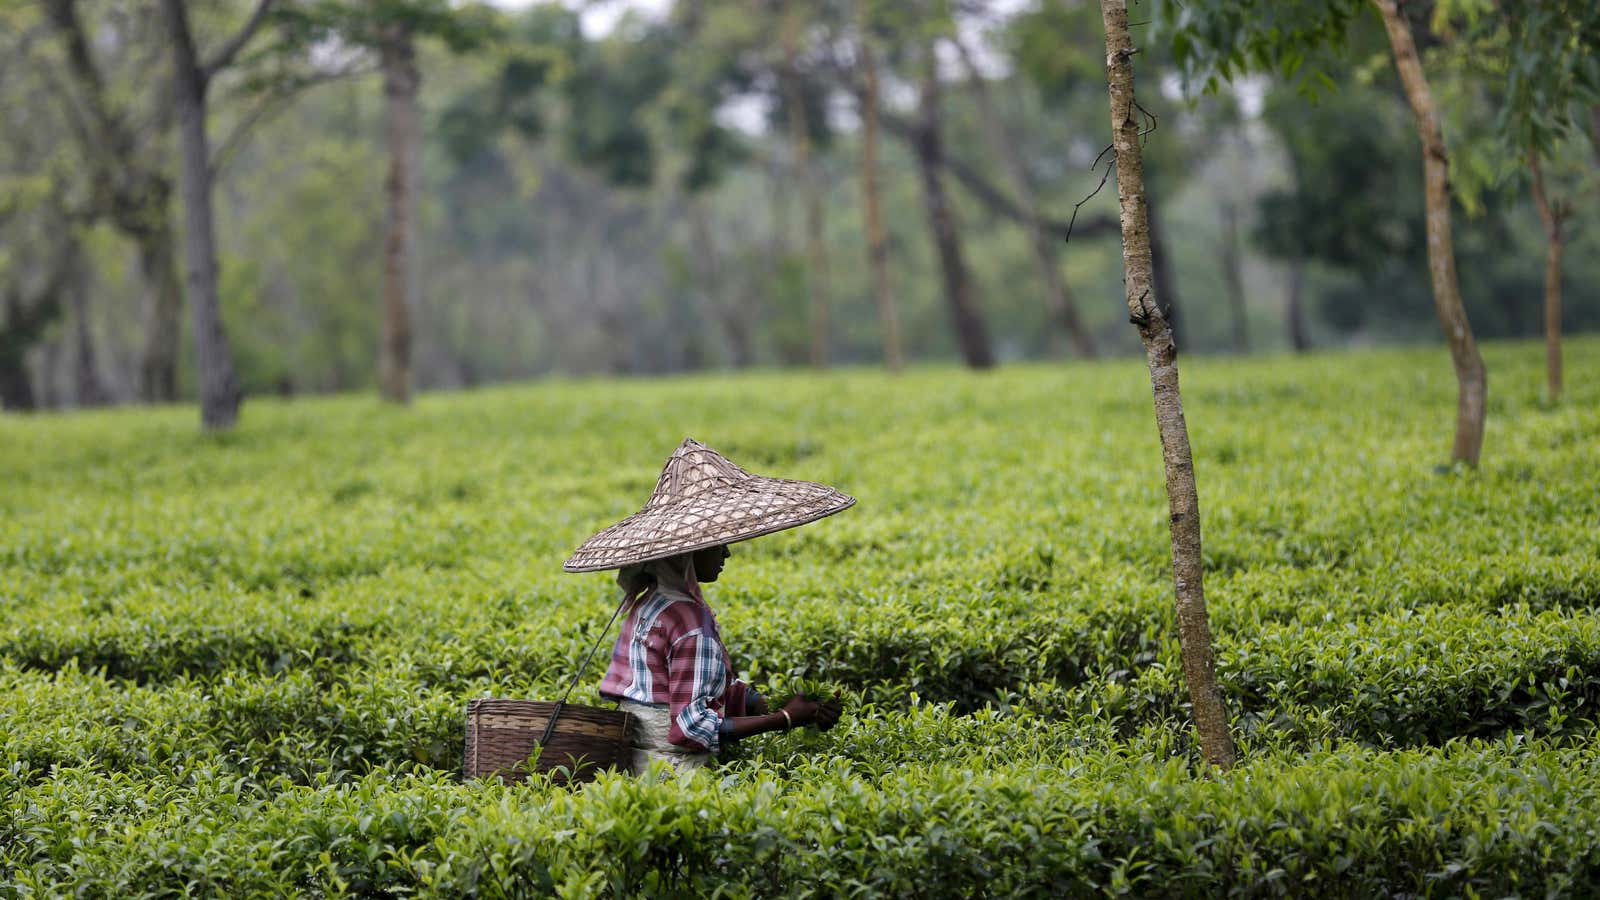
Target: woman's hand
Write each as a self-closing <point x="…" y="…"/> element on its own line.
<point x="804" y="711"/>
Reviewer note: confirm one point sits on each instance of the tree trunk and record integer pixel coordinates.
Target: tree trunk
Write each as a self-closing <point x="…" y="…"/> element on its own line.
<point x="1552" y="220"/>
<point x="972" y="334"/>
<point x="1299" y="329"/>
<point x="19" y="329"/>
<point x="1058" y="299"/>
<point x="401" y="81"/>
<point x="1233" y="275"/>
<point x="163" y="307"/>
<point x="730" y="317"/>
<point x="1471" y="380"/>
<point x="1594" y="130"/>
<point x="85" y="372"/>
<point x="1144" y="308"/>
<point x="16" y="388"/>
<point x="805" y="176"/>
<point x="872" y="206"/>
<point x="219" y="385"/>
<point x="1166" y="286"/>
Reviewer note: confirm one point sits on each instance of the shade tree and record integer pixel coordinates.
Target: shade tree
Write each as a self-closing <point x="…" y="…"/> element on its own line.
<point x="1217" y="39"/>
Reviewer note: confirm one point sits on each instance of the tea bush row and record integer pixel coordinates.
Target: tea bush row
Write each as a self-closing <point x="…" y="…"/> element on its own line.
<point x="1501" y="818"/>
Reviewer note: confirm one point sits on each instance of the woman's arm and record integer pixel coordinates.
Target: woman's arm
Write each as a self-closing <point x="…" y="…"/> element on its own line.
<point x="801" y="711"/>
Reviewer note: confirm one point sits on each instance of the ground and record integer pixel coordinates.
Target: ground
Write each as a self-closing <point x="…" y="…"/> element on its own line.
<point x="241" y="663"/>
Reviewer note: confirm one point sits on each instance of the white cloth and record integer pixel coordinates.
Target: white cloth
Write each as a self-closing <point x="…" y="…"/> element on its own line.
<point x="647" y="735"/>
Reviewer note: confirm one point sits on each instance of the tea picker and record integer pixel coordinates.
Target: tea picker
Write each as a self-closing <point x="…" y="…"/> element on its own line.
<point x="680" y="700"/>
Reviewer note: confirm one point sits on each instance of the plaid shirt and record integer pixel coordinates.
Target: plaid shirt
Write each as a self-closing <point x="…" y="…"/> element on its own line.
<point x="670" y="653"/>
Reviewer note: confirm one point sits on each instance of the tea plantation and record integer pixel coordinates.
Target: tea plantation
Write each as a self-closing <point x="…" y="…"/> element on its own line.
<point x="240" y="665"/>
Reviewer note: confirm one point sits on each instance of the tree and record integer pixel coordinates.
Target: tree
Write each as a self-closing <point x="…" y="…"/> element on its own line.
<point x="1553" y="77"/>
<point x="1552" y="216"/>
<point x="1215" y="38"/>
<point x="1471" y="379"/>
<point x="401" y="81"/>
<point x="802" y="122"/>
<point x="121" y="146"/>
<point x="389" y="30"/>
<point x="1233" y="276"/>
<point x="966" y="317"/>
<point x="868" y="101"/>
<point x="1161" y="352"/>
<point x="1003" y="145"/>
<point x="192" y="77"/>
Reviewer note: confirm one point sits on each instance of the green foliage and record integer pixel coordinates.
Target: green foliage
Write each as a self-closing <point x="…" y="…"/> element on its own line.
<point x="241" y="665"/>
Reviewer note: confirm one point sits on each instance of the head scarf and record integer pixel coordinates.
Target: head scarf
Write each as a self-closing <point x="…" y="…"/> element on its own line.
<point x="674" y="574"/>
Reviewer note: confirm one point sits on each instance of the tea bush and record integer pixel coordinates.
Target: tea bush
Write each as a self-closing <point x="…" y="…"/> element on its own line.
<point x="240" y="664"/>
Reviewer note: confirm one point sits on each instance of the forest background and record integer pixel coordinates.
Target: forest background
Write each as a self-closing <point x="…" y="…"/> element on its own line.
<point x="652" y="188"/>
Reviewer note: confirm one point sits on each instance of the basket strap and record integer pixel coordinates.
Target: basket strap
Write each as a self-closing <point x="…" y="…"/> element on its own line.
<point x="555" y="712"/>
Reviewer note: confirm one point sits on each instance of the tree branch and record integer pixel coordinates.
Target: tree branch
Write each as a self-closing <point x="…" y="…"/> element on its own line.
<point x="996" y="200"/>
<point x="91" y="84"/>
<point x="224" y="57"/>
<point x="270" y="105"/>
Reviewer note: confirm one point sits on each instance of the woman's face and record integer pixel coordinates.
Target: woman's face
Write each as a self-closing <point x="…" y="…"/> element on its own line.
<point x="708" y="562"/>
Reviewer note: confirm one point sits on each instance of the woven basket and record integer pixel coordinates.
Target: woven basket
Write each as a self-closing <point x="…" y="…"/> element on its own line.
<point x="502" y="735"/>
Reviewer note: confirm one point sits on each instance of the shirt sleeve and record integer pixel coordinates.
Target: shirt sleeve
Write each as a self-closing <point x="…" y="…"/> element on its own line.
<point x="696" y="676"/>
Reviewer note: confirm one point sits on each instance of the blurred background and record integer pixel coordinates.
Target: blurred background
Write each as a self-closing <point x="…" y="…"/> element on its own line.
<point x="482" y="193"/>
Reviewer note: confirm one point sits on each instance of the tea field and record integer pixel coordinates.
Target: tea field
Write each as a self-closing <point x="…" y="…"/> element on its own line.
<point x="240" y="665"/>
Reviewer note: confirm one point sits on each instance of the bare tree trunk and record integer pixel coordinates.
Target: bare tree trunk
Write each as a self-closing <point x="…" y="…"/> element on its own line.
<point x="163" y="307"/>
<point x="1552" y="219"/>
<point x="872" y="205"/>
<point x="1594" y="130"/>
<point x="20" y="326"/>
<point x="805" y="176"/>
<point x="1003" y="144"/>
<point x="219" y="385"/>
<point x="1144" y="308"/>
<point x="729" y="315"/>
<point x="1299" y="329"/>
<point x="1233" y="275"/>
<point x="1471" y="380"/>
<point x="401" y="81"/>
<point x="972" y="333"/>
<point x="1165" y="284"/>
<point x="85" y="372"/>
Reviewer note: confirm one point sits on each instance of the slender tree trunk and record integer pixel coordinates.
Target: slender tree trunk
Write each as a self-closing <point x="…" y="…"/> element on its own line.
<point x="1299" y="329"/>
<point x="972" y="333"/>
<point x="708" y="259"/>
<point x="85" y="372"/>
<point x="1161" y="352"/>
<point x="805" y="176"/>
<point x="872" y="205"/>
<point x="21" y="327"/>
<point x="163" y="307"/>
<point x="401" y="81"/>
<point x="1005" y="147"/>
<point x="1552" y="280"/>
<point x="1594" y="130"/>
<point x="16" y="388"/>
<point x="1471" y="380"/>
<point x="1166" y="286"/>
<point x="1233" y="275"/>
<point x="219" y="385"/>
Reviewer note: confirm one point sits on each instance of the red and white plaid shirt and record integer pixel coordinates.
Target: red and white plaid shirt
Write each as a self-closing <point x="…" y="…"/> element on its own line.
<point x="670" y="654"/>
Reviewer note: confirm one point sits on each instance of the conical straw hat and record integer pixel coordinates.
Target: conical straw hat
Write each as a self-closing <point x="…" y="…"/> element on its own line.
<point x="702" y="500"/>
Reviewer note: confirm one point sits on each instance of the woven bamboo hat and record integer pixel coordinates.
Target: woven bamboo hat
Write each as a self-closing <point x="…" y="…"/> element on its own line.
<point x="701" y="500"/>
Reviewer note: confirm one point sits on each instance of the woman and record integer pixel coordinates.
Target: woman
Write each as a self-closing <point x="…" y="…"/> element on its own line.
<point x="670" y="670"/>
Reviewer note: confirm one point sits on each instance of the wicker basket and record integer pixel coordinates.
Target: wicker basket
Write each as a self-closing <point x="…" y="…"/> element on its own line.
<point x="502" y="735"/>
